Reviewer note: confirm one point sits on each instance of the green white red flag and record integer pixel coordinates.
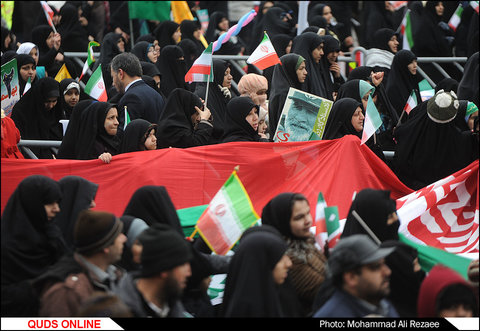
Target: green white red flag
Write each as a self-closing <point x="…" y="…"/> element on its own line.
<point x="264" y="55"/>
<point x="372" y="121"/>
<point x="227" y="216"/>
<point x="48" y="14"/>
<point x="411" y="103"/>
<point x="202" y="69"/>
<point x="90" y="58"/>
<point x="321" y="234"/>
<point x="474" y="5"/>
<point x="96" y="87"/>
<point x="456" y="17"/>
<point x="27" y="86"/>
<point x="406" y="31"/>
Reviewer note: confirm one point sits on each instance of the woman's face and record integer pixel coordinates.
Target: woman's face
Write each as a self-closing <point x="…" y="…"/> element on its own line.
<point x="121" y="45"/>
<point x="252" y="118"/>
<point x="152" y="54"/>
<point x="262" y="126"/>
<point x="151" y="141"/>
<point x="227" y="79"/>
<point x="332" y="57"/>
<point x="34" y="53"/>
<point x="327" y="14"/>
<point x="439" y="9"/>
<point x="412" y="67"/>
<point x="317" y="53"/>
<point x="260" y="97"/>
<point x="50" y="40"/>
<point x="50" y="103"/>
<point x="111" y="121"/>
<point x="28" y="70"/>
<point x="137" y="249"/>
<point x="365" y="100"/>
<point x="177" y="35"/>
<point x="301" y="219"/>
<point x="357" y="119"/>
<point x="280" y="271"/>
<point x="302" y="72"/>
<point x="197" y="34"/>
<point x="393" y="44"/>
<point x="72" y="97"/>
<point x="223" y="25"/>
<point x="289" y="47"/>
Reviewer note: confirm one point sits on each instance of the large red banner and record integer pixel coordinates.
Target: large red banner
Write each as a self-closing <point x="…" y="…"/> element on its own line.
<point x="192" y="176"/>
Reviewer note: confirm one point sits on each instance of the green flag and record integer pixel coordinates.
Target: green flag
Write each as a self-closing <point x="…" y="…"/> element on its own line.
<point x="149" y="10"/>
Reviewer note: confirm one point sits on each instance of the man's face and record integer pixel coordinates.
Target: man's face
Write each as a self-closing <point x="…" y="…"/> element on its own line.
<point x="116" y="249"/>
<point x="176" y="281"/>
<point x="373" y="283"/>
<point x="117" y="80"/>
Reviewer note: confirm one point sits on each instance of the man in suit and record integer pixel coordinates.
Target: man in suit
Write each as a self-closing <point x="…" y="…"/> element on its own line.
<point x="141" y="100"/>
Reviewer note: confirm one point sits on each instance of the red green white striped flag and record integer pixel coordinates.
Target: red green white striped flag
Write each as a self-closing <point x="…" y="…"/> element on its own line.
<point x="456" y="17"/>
<point x="48" y="14"/>
<point x="411" y="103"/>
<point x="474" y="5"/>
<point x="202" y="69"/>
<point x="90" y="58"/>
<point x="264" y="55"/>
<point x="406" y="31"/>
<point x="372" y="121"/>
<point x="321" y="235"/>
<point x="95" y="86"/>
<point x="334" y="229"/>
<point x="228" y="215"/>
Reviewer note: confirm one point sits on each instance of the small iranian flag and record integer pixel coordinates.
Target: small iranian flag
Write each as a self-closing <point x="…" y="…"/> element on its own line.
<point x="95" y="86"/>
<point x="90" y="58"/>
<point x="321" y="234"/>
<point x="359" y="58"/>
<point x="406" y="31"/>
<point x="334" y="229"/>
<point x="264" y="55"/>
<point x="202" y="69"/>
<point x="27" y="86"/>
<point x="456" y="17"/>
<point x="228" y="215"/>
<point x="474" y="5"/>
<point x="48" y="14"/>
<point x="411" y="103"/>
<point x="372" y="121"/>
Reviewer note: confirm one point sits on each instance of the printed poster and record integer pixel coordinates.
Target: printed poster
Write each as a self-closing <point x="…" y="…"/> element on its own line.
<point x="10" y="87"/>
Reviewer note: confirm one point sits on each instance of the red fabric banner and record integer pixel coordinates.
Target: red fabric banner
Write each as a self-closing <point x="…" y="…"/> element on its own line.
<point x="192" y="176"/>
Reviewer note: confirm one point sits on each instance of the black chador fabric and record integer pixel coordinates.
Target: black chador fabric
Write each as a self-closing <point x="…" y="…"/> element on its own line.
<point x="67" y="110"/>
<point x="175" y="128"/>
<point x="468" y="86"/>
<point x="164" y="33"/>
<point x="77" y="195"/>
<point x="190" y="52"/>
<point x="187" y="28"/>
<point x="47" y="55"/>
<point x="33" y="121"/>
<point x="427" y="151"/>
<point x="74" y="35"/>
<point x="374" y="207"/>
<point x="172" y="68"/>
<point x="23" y="59"/>
<point x="274" y="24"/>
<point x="339" y="121"/>
<point x="332" y="83"/>
<point x="108" y="50"/>
<point x="280" y="43"/>
<point x="86" y="137"/>
<point x="284" y="77"/>
<point x="303" y="45"/>
<point x="153" y="204"/>
<point x="217" y="101"/>
<point x="236" y="126"/>
<point x="376" y="17"/>
<point x="213" y="33"/>
<point x="250" y="290"/>
<point x="135" y="134"/>
<point x="30" y="243"/>
<point x="401" y="82"/>
<point x="257" y="29"/>
<point x="140" y="50"/>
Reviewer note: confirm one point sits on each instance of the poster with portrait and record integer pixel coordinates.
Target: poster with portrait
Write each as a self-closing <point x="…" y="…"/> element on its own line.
<point x="10" y="87"/>
<point x="304" y="117"/>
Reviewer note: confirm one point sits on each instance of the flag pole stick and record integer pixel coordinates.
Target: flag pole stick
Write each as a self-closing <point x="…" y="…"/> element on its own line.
<point x="365" y="226"/>
<point x="193" y="234"/>
<point x="206" y="91"/>
<point x="400" y="119"/>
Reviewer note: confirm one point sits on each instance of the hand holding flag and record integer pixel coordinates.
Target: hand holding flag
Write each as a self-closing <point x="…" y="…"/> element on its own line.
<point x="48" y="14"/>
<point x="90" y="58"/>
<point x="372" y="121"/>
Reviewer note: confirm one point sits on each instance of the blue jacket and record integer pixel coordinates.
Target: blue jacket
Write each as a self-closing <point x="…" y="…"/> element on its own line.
<point x="342" y="304"/>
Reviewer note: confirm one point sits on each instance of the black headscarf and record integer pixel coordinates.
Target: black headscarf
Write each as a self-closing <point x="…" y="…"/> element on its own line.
<point x="23" y="59"/>
<point x="236" y="126"/>
<point x="274" y="24"/>
<point x="30" y="243"/>
<point x="5" y="34"/>
<point x="381" y="39"/>
<point x="284" y="77"/>
<point x="339" y="122"/>
<point x="428" y="151"/>
<point x="77" y="195"/>
<point x="373" y="206"/>
<point x="362" y="72"/>
<point x="303" y="45"/>
<point x="400" y="81"/>
<point x="468" y="86"/>
<point x="447" y="84"/>
<point x="154" y="205"/>
<point x="175" y="128"/>
<point x="33" y="121"/>
<point x="213" y="33"/>
<point x="280" y="43"/>
<point x="330" y="45"/>
<point x="172" y="68"/>
<point x="250" y="290"/>
<point x="74" y="35"/>
<point x="108" y="50"/>
<point x="164" y="32"/>
<point x="277" y="213"/>
<point x="376" y="17"/>
<point x="135" y="135"/>
<point x="217" y="101"/>
<point x="187" y="28"/>
<point x="86" y="137"/>
<point x="355" y="89"/>
<point x="140" y="50"/>
<point x="190" y="52"/>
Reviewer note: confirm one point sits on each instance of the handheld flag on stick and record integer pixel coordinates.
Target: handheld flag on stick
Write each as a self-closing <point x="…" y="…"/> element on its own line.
<point x="62" y="74"/>
<point x="127" y="117"/>
<point x="372" y="121"/>
<point x="456" y="17"/>
<point x="474" y="5"/>
<point x="332" y="221"/>
<point x="264" y="55"/>
<point x="228" y="215"/>
<point x="201" y="70"/>
<point x="321" y="235"/>
<point x="90" y="57"/>
<point x="411" y="103"/>
<point x="95" y="86"/>
<point x="406" y="31"/>
<point x="48" y="14"/>
<point x="27" y="86"/>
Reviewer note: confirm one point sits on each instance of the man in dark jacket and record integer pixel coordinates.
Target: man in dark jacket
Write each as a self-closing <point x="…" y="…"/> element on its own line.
<point x="156" y="290"/>
<point x="361" y="279"/>
<point x="141" y="100"/>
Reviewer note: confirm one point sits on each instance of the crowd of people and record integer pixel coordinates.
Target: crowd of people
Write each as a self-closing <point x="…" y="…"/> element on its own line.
<point x="60" y="258"/>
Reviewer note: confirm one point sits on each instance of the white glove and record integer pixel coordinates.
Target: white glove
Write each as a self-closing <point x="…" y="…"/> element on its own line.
<point x="225" y="91"/>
